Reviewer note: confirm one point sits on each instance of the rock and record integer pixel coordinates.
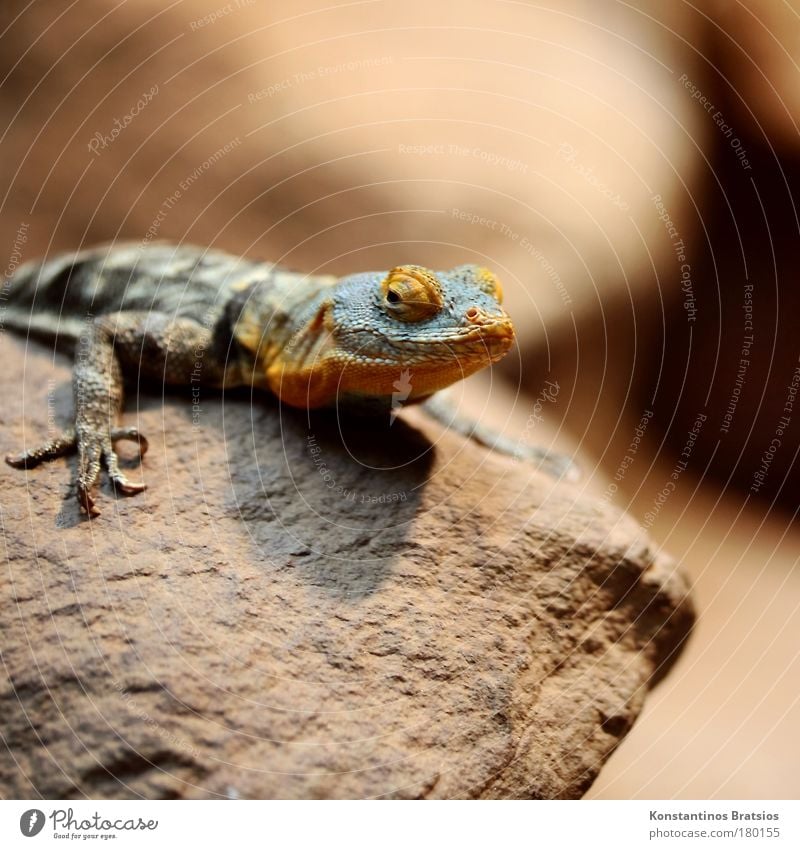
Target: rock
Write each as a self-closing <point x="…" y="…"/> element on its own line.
<point x="292" y="610"/>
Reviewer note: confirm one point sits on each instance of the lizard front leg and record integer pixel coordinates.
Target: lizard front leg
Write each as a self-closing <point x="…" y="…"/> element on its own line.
<point x="149" y="343"/>
<point x="97" y="393"/>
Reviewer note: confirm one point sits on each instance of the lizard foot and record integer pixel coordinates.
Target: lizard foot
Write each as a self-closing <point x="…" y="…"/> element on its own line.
<point x="93" y="449"/>
<point x="96" y="449"/>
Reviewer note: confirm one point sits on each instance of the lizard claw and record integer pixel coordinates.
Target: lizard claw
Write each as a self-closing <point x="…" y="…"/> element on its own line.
<point x="87" y="502"/>
<point x="125" y="486"/>
<point x="17" y="461"/>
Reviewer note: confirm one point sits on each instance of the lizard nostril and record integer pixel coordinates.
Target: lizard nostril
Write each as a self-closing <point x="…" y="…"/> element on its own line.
<point x="473" y="313"/>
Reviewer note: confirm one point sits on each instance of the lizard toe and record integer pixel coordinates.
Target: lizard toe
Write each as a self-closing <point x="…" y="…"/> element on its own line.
<point x="131" y="434"/>
<point x="89" y="453"/>
<point x="118" y="479"/>
<point x="58" y="447"/>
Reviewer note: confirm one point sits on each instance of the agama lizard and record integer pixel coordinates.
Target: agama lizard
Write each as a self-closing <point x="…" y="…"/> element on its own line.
<point x="173" y="313"/>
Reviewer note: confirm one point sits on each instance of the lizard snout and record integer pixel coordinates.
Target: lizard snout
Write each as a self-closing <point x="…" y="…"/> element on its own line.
<point x="480" y="317"/>
<point x="492" y="330"/>
<point x="489" y="323"/>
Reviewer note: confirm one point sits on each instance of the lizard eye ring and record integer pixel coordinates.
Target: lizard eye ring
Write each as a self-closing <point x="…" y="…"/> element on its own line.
<point x="412" y="293"/>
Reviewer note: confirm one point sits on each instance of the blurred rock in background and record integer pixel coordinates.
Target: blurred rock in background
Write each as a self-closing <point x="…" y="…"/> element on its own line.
<point x="629" y="171"/>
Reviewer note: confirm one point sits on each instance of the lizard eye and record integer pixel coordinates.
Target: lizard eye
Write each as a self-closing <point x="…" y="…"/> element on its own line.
<point x="412" y="293"/>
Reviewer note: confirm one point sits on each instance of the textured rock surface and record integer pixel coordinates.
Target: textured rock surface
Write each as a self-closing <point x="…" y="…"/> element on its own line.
<point x="448" y="623"/>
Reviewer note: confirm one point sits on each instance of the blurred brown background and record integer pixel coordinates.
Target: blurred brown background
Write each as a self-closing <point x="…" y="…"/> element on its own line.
<point x="629" y="170"/>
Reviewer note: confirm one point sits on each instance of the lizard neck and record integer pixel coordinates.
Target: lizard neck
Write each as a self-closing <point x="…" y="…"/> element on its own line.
<point x="284" y="328"/>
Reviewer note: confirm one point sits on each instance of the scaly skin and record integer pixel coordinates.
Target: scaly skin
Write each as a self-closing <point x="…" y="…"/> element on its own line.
<point x="182" y="314"/>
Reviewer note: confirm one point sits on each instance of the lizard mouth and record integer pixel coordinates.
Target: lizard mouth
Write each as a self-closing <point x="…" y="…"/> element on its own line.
<point x="467" y="347"/>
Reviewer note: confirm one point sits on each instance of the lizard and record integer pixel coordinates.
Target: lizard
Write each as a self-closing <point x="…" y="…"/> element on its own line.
<point x="181" y="313"/>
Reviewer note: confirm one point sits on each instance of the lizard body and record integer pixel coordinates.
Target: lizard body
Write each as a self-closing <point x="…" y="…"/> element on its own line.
<point x="181" y="313"/>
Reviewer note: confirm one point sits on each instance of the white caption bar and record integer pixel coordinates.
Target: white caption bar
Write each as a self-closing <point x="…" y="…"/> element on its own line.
<point x="616" y="825"/>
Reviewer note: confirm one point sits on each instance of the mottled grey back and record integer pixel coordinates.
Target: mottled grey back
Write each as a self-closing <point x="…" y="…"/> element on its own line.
<point x="185" y="281"/>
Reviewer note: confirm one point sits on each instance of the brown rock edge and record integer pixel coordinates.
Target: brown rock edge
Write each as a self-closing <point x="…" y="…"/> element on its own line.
<point x="311" y="608"/>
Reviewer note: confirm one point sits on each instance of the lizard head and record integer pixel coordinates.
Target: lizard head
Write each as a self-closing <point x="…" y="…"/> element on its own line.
<point x="423" y="328"/>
